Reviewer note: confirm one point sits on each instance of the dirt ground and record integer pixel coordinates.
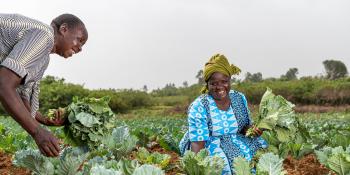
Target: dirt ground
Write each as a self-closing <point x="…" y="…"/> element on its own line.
<point x="6" y="167"/>
<point x="307" y="165"/>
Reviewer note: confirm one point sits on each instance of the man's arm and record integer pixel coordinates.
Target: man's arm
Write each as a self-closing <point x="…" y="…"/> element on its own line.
<point x="59" y="119"/>
<point x="38" y="115"/>
<point x="12" y="102"/>
<point x="14" y="105"/>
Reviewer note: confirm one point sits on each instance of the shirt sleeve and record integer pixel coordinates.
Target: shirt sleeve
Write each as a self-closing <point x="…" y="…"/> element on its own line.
<point x="30" y="92"/>
<point x="25" y="91"/>
<point x="197" y="121"/>
<point x="28" y="51"/>
<point x="34" y="100"/>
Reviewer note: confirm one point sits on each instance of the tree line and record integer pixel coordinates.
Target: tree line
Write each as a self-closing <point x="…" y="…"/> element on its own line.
<point x="331" y="89"/>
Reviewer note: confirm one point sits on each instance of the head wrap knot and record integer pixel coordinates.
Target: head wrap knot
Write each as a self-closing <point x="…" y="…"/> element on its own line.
<point x="218" y="63"/>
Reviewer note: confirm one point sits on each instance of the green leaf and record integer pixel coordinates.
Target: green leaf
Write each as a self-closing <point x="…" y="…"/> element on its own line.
<point x="323" y="155"/>
<point x="283" y="135"/>
<point x="120" y="142"/>
<point x="148" y="170"/>
<point x="269" y="122"/>
<point x="271" y="164"/>
<point x="241" y="166"/>
<point x="70" y="161"/>
<point x="201" y="163"/>
<point x="101" y="170"/>
<point x="87" y="119"/>
<point x="34" y="161"/>
<point x="127" y="166"/>
<point x="339" y="164"/>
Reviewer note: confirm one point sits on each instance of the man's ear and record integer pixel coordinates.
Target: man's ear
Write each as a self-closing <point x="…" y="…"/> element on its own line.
<point x="63" y="28"/>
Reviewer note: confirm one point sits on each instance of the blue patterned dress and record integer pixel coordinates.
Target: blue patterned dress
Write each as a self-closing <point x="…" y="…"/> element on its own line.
<point x="221" y="129"/>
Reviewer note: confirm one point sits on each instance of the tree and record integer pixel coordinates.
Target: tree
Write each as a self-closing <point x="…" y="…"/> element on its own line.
<point x="200" y="77"/>
<point x="185" y="84"/>
<point x="145" y="89"/>
<point x="256" y="77"/>
<point x="291" y="74"/>
<point x="335" y="69"/>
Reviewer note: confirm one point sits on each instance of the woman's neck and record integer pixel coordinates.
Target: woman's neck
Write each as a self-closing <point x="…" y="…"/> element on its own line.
<point x="223" y="104"/>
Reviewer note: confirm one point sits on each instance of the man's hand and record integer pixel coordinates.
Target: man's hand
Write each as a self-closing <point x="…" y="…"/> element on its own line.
<point x="14" y="105"/>
<point x="58" y="120"/>
<point x="47" y="143"/>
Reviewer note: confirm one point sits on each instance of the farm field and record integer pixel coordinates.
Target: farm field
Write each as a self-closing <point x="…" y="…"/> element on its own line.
<point x="158" y="133"/>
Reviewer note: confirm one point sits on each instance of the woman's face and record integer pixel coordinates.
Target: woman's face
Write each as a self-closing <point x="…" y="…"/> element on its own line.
<point x="219" y="86"/>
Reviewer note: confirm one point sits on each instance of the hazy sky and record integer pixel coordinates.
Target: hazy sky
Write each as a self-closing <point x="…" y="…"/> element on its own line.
<point x="133" y="43"/>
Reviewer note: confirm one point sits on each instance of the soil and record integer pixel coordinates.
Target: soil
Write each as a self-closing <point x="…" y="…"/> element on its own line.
<point x="6" y="167"/>
<point x="173" y="167"/>
<point x="307" y="165"/>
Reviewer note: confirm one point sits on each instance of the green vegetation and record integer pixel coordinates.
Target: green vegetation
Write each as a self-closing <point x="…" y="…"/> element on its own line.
<point x="57" y="93"/>
<point x="122" y="129"/>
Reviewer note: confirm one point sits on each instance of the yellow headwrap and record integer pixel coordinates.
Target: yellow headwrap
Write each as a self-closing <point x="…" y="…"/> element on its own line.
<point x="218" y="63"/>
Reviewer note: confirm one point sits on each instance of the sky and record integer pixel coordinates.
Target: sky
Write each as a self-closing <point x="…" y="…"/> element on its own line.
<point x="133" y="43"/>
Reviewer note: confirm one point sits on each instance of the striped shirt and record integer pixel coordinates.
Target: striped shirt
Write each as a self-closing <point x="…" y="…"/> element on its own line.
<point x="25" y="46"/>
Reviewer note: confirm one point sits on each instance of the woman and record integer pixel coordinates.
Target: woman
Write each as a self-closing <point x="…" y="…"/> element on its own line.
<point x="25" y="46"/>
<point x="219" y="118"/>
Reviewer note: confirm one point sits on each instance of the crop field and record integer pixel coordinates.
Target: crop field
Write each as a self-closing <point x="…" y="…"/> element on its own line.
<point x="151" y="138"/>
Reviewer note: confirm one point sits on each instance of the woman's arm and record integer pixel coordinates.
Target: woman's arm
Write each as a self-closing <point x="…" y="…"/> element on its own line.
<point x="197" y="146"/>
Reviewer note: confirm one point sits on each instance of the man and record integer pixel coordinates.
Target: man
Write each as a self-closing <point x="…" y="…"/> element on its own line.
<point x="25" y="46"/>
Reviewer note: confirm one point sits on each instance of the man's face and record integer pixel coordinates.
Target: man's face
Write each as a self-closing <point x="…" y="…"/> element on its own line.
<point x="71" y="41"/>
<point x="219" y="86"/>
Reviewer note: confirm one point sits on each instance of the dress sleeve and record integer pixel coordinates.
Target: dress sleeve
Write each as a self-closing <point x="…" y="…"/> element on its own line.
<point x="246" y="105"/>
<point x="28" y="51"/>
<point x="197" y="121"/>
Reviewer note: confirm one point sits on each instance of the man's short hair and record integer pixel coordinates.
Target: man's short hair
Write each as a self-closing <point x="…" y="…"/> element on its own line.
<point x="71" y="20"/>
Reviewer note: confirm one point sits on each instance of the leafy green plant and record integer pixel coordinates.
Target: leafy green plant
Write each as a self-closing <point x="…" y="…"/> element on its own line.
<point x="123" y="167"/>
<point x="337" y="159"/>
<point x="155" y="158"/>
<point x="101" y="170"/>
<point x="148" y="170"/>
<point x="275" y="113"/>
<point x="201" y="163"/>
<point x="89" y="121"/>
<point x="242" y="166"/>
<point x="271" y="164"/>
<point x="68" y="163"/>
<point x="13" y="137"/>
<point x="120" y="143"/>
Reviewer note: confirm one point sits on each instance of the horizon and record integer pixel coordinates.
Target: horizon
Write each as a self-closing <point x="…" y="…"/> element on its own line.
<point x="135" y="43"/>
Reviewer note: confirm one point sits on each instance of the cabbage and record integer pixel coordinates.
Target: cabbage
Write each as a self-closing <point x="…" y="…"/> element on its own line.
<point x="89" y="120"/>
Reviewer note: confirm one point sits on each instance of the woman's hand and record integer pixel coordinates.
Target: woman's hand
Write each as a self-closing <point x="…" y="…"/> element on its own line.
<point x="197" y="146"/>
<point x="256" y="131"/>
